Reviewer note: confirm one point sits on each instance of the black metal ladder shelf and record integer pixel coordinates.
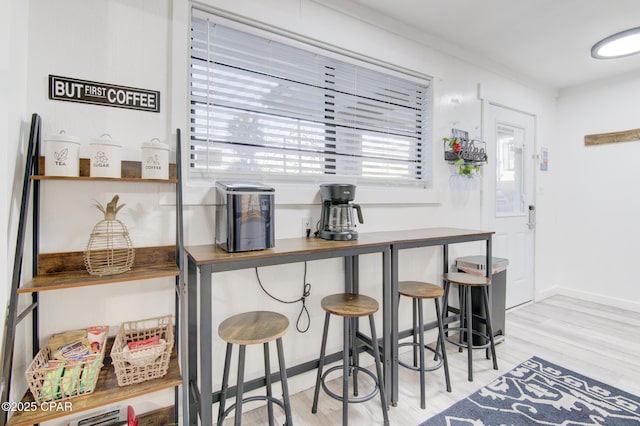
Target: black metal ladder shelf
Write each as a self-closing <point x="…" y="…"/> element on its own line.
<point x="31" y="193"/>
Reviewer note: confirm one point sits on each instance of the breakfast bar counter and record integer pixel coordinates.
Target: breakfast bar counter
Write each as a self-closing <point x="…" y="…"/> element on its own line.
<point x="205" y="260"/>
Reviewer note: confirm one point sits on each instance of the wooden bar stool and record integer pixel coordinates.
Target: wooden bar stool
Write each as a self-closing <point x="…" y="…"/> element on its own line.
<point x="350" y="307"/>
<point x="466" y="332"/>
<point x="252" y="328"/>
<point x="418" y="291"/>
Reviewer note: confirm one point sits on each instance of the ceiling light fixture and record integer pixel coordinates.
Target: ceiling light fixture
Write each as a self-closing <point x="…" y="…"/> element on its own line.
<point x="624" y="43"/>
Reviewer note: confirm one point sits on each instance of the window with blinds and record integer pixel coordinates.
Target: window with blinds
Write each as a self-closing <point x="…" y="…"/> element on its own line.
<point x="261" y="107"/>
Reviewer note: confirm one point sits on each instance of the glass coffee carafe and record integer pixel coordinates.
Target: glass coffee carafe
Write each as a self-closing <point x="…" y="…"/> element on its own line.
<point x="341" y="218"/>
<point x="337" y="221"/>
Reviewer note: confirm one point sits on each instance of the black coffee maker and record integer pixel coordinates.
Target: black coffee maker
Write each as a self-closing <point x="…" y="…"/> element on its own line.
<point x="337" y="221"/>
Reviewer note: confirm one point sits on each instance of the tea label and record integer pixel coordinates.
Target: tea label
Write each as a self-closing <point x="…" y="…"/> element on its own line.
<point x="61" y="157"/>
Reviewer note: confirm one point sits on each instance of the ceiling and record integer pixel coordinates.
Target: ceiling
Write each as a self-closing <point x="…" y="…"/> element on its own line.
<point x="543" y="41"/>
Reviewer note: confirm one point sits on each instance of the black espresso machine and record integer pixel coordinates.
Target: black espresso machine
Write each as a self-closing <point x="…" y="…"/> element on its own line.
<point x="337" y="221"/>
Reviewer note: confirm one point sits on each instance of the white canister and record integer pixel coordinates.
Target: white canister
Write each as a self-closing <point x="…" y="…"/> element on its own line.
<point x="155" y="160"/>
<point x="61" y="155"/>
<point x="106" y="157"/>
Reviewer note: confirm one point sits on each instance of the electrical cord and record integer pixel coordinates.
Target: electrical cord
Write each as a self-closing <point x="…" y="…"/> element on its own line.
<point x="306" y="292"/>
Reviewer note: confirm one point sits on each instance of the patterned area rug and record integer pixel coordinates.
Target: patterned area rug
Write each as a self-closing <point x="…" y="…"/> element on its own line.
<point x="538" y="392"/>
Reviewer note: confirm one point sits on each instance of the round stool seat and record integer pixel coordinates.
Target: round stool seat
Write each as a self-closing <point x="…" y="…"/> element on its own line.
<point x="420" y="290"/>
<point x="251" y="328"/>
<point x="462" y="278"/>
<point x="349" y="305"/>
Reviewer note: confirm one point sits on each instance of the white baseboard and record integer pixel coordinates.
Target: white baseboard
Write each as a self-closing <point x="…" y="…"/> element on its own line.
<point x="541" y="295"/>
<point x="616" y="302"/>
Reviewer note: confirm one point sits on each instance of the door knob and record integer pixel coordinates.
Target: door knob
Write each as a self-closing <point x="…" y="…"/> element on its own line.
<point x="532" y="217"/>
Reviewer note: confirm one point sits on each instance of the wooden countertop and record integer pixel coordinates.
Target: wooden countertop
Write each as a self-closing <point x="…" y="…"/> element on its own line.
<point x="426" y="234"/>
<point x="210" y="253"/>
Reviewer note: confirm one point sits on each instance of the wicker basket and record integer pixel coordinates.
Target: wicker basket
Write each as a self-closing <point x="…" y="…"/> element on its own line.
<point x="70" y="379"/>
<point x="139" y="365"/>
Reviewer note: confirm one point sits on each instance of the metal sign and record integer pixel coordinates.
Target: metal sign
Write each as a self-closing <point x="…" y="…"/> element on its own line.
<point x="91" y="92"/>
<point x="473" y="150"/>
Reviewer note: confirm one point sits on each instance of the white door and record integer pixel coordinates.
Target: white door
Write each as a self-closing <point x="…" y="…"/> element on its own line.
<point x="509" y="199"/>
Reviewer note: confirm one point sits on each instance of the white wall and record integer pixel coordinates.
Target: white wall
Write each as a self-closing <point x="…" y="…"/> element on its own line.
<point x="14" y="130"/>
<point x="7" y="134"/>
<point x="142" y="43"/>
<point x="117" y="42"/>
<point x="595" y="195"/>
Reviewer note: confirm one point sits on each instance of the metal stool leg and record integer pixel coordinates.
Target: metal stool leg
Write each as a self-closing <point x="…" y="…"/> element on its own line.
<point x="267" y="376"/>
<point x="345" y="371"/>
<point x="225" y="383"/>
<point x="314" y="407"/>
<point x="485" y="298"/>
<point x="445" y="314"/>
<point x="443" y="351"/>
<point x="240" y="386"/>
<point x="381" y="384"/>
<point x="421" y="341"/>
<point x="469" y="321"/>
<point x="416" y="321"/>
<point x="445" y="306"/>
<point x="464" y="320"/>
<point x="283" y="380"/>
<point x="354" y="355"/>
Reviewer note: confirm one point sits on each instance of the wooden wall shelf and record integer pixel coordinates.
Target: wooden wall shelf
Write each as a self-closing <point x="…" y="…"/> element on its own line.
<point x="131" y="171"/>
<point x="161" y="416"/>
<point x="66" y="270"/>
<point x="124" y="179"/>
<point x="613" y="137"/>
<point x="106" y="392"/>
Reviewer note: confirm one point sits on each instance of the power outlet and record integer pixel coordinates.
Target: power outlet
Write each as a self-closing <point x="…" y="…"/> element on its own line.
<point x="306" y="225"/>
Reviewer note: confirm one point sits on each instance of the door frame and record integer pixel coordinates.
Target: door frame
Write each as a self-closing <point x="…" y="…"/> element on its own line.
<point x="487" y="210"/>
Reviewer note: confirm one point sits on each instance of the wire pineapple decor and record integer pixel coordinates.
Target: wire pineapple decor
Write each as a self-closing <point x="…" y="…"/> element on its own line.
<point x="109" y="250"/>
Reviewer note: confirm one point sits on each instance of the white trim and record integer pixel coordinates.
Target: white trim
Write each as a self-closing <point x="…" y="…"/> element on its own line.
<point x="245" y="24"/>
<point x="540" y="296"/>
<point x="289" y="194"/>
<point x="615" y="302"/>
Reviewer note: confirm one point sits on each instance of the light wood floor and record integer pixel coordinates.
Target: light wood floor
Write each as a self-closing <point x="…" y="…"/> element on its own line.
<point x="595" y="340"/>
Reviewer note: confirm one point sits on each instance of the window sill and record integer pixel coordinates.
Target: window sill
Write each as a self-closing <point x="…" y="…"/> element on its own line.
<point x="308" y="194"/>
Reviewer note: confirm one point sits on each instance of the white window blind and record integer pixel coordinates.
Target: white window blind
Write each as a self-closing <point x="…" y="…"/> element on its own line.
<point x="262" y="107"/>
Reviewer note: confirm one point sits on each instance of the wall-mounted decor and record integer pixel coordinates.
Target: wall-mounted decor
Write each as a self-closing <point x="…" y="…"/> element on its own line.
<point x="613" y="137"/>
<point x="467" y="154"/>
<point x="544" y="159"/>
<point x="91" y="92"/>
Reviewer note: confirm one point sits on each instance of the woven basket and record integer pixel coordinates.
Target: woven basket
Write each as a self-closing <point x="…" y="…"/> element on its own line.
<point x="71" y="379"/>
<point x="139" y="365"/>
